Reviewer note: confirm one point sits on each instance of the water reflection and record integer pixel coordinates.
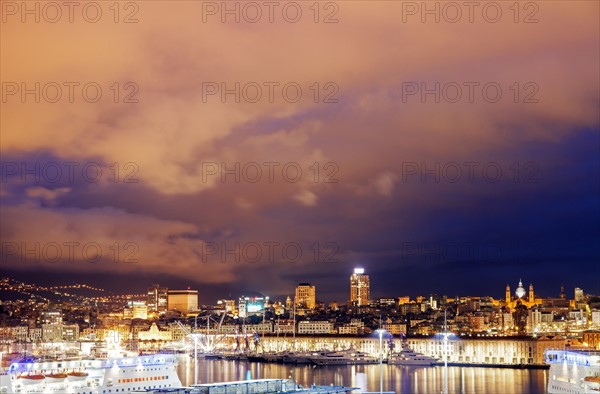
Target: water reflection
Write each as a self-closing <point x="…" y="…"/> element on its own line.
<point x="396" y="378"/>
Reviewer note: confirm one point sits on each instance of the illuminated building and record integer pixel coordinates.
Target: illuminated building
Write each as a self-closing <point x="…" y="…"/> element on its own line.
<point x="315" y="327"/>
<point x="183" y="301"/>
<point x="579" y="295"/>
<point x="70" y="332"/>
<point x="279" y="308"/>
<point x="284" y="327"/>
<point x="592" y="339"/>
<point x="51" y="316"/>
<point x="228" y="305"/>
<point x="520" y="297"/>
<point x="155" y="334"/>
<point x="157" y="299"/>
<point x="248" y="306"/>
<point x="360" y="288"/>
<point x="477" y="350"/>
<point x="305" y="296"/>
<point x="135" y="310"/>
<point x="52" y="332"/>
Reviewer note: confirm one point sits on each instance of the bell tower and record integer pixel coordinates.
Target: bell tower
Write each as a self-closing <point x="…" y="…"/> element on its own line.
<point x="531" y="294"/>
<point x="507" y="294"/>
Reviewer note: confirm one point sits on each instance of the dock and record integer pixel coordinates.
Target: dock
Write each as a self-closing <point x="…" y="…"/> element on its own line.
<point x="255" y="386"/>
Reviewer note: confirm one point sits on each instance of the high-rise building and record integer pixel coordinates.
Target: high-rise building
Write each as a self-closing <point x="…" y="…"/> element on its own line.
<point x="184" y="301"/>
<point x="360" y="288"/>
<point x="579" y="296"/>
<point x="158" y="298"/>
<point x="306" y="296"/>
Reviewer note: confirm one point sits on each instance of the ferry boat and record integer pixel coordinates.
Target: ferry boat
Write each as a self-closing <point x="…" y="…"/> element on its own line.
<point x="575" y="371"/>
<point x="407" y="356"/>
<point x="91" y="375"/>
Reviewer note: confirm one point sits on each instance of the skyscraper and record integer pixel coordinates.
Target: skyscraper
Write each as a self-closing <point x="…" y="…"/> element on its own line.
<point x="157" y="298"/>
<point x="360" y="288"/>
<point x="305" y="296"/>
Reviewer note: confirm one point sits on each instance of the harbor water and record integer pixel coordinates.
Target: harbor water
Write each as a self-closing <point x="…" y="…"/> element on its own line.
<point x="399" y="379"/>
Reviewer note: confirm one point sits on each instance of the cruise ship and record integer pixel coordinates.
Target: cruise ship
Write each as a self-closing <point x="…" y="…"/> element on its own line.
<point x="573" y="371"/>
<point x="91" y="375"/>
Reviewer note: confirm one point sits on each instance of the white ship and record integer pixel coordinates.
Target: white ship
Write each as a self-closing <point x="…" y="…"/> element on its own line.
<point x="91" y="375"/>
<point x="573" y="371"/>
<point x="407" y="356"/>
<point x="343" y="357"/>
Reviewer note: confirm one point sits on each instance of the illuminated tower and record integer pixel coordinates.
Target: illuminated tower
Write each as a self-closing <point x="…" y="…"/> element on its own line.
<point x="531" y="294"/>
<point x="562" y="291"/>
<point x="360" y="288"/>
<point x="507" y="294"/>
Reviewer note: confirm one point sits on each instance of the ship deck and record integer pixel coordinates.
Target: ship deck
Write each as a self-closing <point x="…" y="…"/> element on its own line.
<point x="262" y="386"/>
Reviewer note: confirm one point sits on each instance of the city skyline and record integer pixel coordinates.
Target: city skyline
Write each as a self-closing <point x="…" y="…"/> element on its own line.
<point x="145" y="294"/>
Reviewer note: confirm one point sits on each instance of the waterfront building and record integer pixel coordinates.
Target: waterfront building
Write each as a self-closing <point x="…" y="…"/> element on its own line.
<point x="347" y="330"/>
<point x="284" y="327"/>
<point x="315" y="327"/>
<point x="467" y="350"/>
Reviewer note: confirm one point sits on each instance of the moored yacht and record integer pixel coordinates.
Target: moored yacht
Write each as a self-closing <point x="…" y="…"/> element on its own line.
<point x="407" y="356"/>
<point x="302" y="357"/>
<point x="343" y="357"/>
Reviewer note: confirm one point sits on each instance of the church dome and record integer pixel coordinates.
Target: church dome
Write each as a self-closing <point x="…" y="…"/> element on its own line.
<point x="520" y="292"/>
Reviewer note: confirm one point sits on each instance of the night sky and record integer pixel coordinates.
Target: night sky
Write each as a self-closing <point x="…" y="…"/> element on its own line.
<point x="437" y="194"/>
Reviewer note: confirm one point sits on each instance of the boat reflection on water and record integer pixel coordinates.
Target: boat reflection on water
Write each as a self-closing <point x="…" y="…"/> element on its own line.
<point x="398" y="378"/>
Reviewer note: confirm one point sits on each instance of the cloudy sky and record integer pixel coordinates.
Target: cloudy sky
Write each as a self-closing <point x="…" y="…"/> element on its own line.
<point x="169" y="142"/>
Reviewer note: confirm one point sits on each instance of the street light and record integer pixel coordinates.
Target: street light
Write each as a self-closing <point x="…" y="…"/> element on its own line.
<point x="380" y="332"/>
